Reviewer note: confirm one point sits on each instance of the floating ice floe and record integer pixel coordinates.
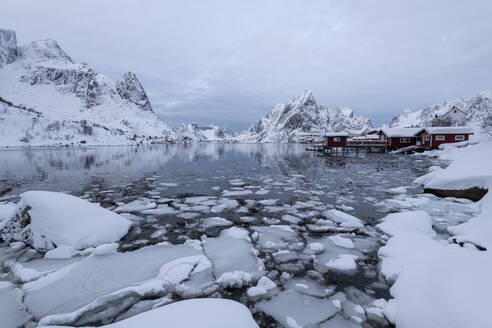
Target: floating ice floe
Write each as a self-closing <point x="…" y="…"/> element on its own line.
<point x="136" y="206"/>
<point x="293" y="309"/>
<point x="45" y="219"/>
<point x="201" y="312"/>
<point x="215" y="222"/>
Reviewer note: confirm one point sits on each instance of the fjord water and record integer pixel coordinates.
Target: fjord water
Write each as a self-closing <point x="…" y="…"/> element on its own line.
<point x="254" y="186"/>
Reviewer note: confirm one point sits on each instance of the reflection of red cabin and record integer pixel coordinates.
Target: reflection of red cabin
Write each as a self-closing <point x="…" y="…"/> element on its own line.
<point x="432" y="137"/>
<point x="399" y="137"/>
<point x="336" y="140"/>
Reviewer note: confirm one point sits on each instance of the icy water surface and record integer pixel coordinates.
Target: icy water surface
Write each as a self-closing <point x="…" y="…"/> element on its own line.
<point x="290" y="206"/>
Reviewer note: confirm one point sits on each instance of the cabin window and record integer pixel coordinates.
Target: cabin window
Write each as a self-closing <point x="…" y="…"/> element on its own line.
<point x="404" y="140"/>
<point x="440" y="138"/>
<point x="336" y="139"/>
<point x="459" y="138"/>
<point x="427" y="137"/>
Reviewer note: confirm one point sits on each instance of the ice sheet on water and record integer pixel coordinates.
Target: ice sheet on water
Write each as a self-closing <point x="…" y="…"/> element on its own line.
<point x="310" y="287"/>
<point x="233" y="258"/>
<point x="293" y="309"/>
<point x="343" y="219"/>
<point x="276" y="237"/>
<point x="215" y="222"/>
<point x="230" y="193"/>
<point x="338" y="321"/>
<point x="136" y="206"/>
<point x="162" y="209"/>
<point x="96" y="276"/>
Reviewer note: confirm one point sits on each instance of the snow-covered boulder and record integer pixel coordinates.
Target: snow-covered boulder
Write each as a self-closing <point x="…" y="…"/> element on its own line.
<point x="194" y="313"/>
<point x="45" y="220"/>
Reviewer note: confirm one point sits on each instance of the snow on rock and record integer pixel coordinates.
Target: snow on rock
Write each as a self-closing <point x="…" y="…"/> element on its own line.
<point x="194" y="132"/>
<point x="300" y="119"/>
<point x="470" y="167"/>
<point x="201" y="312"/>
<point x="46" y="219"/>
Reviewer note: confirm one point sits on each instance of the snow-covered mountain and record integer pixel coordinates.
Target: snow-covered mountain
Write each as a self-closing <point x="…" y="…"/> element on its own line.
<point x="193" y="132"/>
<point x="47" y="99"/>
<point x="477" y="114"/>
<point x="301" y="119"/>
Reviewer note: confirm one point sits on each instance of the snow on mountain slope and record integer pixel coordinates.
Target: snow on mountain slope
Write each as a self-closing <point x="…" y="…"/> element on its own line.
<point x="301" y="118"/>
<point x="193" y="132"/>
<point x="478" y="111"/>
<point x="40" y="76"/>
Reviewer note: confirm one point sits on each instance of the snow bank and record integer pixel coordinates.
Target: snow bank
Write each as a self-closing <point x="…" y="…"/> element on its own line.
<point x="194" y="313"/>
<point x="45" y="220"/>
<point x="470" y="167"/>
<point x="437" y="284"/>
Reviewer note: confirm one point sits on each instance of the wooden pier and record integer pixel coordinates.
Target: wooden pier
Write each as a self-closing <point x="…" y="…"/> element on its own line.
<point x="352" y="147"/>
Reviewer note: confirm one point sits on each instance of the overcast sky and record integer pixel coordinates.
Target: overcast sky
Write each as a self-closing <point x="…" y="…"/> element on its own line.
<point x="229" y="62"/>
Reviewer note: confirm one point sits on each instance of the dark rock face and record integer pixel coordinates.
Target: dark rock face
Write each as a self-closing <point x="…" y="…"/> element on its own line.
<point x="130" y="88"/>
<point x="8" y="47"/>
<point x="474" y="194"/>
<point x="17" y="228"/>
<point x="83" y="83"/>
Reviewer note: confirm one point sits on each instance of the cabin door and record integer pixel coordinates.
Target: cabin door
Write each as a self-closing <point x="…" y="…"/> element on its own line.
<point x="418" y="140"/>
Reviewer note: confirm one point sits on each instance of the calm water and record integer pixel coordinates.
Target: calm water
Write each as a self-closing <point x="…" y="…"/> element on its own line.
<point x="246" y="173"/>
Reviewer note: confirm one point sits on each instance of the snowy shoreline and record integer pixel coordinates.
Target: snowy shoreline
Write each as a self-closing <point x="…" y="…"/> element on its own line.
<point x="443" y="282"/>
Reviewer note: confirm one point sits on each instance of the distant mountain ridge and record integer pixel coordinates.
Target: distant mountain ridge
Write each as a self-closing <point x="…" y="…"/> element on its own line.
<point x="302" y="117"/>
<point x="477" y="114"/>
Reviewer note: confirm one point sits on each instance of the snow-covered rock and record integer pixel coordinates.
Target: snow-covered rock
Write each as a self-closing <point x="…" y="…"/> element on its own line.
<point x="302" y="118"/>
<point x="477" y="114"/>
<point x="48" y="99"/>
<point x="130" y="88"/>
<point x="46" y="220"/>
<point x="8" y="47"/>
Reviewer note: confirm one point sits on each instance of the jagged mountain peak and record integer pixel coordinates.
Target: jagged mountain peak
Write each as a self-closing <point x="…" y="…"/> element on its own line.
<point x="301" y="117"/>
<point x="43" y="51"/>
<point x="130" y="88"/>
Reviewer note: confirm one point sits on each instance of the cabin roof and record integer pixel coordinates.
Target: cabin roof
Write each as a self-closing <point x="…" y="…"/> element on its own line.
<point x="337" y="134"/>
<point x="447" y="130"/>
<point x="401" y="132"/>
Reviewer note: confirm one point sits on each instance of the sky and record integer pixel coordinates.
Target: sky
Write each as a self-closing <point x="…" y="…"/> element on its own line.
<point x="229" y="62"/>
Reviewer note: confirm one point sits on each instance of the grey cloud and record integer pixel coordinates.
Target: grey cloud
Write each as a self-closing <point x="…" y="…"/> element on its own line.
<point x="229" y="62"/>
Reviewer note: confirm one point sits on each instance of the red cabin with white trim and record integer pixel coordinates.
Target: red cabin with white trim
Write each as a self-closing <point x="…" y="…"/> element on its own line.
<point x="432" y="137"/>
<point x="336" y="139"/>
<point x="399" y="137"/>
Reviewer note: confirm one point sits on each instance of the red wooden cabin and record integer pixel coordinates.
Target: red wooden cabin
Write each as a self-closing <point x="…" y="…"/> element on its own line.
<point x="432" y="137"/>
<point x="336" y="139"/>
<point x="399" y="137"/>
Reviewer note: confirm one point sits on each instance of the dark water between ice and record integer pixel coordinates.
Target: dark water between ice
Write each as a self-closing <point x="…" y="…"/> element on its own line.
<point x="286" y="172"/>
